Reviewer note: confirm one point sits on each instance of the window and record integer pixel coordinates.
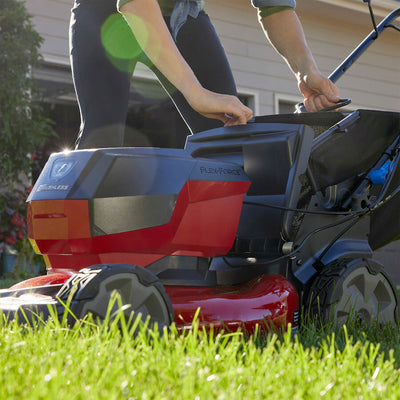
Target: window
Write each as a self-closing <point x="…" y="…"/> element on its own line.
<point x="286" y="107"/>
<point x="285" y="104"/>
<point x="250" y="99"/>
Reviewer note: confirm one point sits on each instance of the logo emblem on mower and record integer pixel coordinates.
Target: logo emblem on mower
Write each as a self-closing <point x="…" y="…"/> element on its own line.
<point x="61" y="167"/>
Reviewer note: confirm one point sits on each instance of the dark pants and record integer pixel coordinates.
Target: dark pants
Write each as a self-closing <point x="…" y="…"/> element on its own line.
<point x="104" y="54"/>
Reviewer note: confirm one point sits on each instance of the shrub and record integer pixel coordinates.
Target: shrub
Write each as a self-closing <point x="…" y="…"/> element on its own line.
<point x="23" y="125"/>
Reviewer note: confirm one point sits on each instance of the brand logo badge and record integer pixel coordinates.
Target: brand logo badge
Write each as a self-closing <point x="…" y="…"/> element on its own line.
<point x="61" y="167"/>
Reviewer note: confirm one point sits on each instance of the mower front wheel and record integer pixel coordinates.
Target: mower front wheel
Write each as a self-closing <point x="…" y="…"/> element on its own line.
<point x="140" y="292"/>
<point x="349" y="288"/>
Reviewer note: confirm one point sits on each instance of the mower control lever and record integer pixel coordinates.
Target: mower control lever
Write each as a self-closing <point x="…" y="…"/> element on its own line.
<point x="340" y="103"/>
<point x="300" y="108"/>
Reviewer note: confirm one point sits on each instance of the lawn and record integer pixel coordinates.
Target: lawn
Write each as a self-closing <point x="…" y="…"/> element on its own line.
<point x="95" y="362"/>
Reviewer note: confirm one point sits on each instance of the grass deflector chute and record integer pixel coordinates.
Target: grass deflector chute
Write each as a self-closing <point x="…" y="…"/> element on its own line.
<point x="247" y="223"/>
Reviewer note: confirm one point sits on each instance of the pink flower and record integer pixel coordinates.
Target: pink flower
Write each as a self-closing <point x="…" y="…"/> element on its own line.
<point x="18" y="220"/>
<point x="11" y="240"/>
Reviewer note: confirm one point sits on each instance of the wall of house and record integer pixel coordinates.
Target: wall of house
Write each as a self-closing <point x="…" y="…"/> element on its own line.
<point x="51" y="18"/>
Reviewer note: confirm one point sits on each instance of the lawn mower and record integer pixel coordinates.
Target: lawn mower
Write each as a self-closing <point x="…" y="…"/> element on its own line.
<point x="243" y="226"/>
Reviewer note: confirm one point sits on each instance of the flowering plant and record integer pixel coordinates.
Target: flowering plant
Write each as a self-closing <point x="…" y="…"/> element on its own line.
<point x="13" y="228"/>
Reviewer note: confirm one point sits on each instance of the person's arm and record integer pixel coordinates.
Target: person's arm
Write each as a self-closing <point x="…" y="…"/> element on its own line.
<point x="284" y="31"/>
<point x="147" y="23"/>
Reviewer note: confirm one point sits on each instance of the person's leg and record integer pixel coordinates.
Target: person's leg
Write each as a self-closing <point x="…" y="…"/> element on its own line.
<point x="200" y="46"/>
<point x="101" y="76"/>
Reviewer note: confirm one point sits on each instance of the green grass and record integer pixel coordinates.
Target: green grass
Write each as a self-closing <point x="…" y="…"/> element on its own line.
<point x="98" y="362"/>
<point x="6" y="283"/>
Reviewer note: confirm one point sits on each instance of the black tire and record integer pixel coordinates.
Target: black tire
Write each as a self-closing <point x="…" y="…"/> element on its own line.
<point x="349" y="288"/>
<point x="89" y="291"/>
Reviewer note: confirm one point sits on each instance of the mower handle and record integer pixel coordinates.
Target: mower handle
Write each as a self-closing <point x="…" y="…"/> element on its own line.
<point x="355" y="54"/>
<point x="300" y="108"/>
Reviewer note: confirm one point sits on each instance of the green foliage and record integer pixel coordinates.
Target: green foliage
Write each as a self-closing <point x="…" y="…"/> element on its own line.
<point x="23" y="126"/>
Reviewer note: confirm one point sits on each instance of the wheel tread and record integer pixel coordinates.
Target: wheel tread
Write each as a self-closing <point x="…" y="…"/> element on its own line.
<point x="320" y="296"/>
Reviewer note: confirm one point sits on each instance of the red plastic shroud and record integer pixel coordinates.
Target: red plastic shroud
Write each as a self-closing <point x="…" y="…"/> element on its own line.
<point x="268" y="302"/>
<point x="203" y="224"/>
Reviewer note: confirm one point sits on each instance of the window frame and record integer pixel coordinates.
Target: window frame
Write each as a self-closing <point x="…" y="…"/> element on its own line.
<point x="254" y="97"/>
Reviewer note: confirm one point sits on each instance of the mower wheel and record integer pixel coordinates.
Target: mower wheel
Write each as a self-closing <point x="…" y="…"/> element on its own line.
<point x="348" y="288"/>
<point x="140" y="291"/>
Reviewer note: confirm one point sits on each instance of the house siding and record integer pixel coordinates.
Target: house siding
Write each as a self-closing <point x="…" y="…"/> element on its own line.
<point x="51" y="18"/>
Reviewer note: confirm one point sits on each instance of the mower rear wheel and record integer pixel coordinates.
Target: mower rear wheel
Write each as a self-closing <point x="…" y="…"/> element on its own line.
<point x="349" y="288"/>
<point x="140" y="291"/>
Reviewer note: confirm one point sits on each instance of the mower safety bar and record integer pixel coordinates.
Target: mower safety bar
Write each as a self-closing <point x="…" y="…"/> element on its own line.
<point x="349" y="61"/>
<point x="356" y="53"/>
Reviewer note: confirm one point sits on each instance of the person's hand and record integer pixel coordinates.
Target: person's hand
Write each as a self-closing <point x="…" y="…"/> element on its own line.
<point x="318" y="91"/>
<point x="228" y="109"/>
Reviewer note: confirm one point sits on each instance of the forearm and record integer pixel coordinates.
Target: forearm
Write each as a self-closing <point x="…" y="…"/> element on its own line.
<point x="147" y="23"/>
<point x="285" y="33"/>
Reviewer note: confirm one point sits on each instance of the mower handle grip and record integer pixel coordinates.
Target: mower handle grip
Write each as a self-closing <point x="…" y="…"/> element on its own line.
<point x="300" y="108"/>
